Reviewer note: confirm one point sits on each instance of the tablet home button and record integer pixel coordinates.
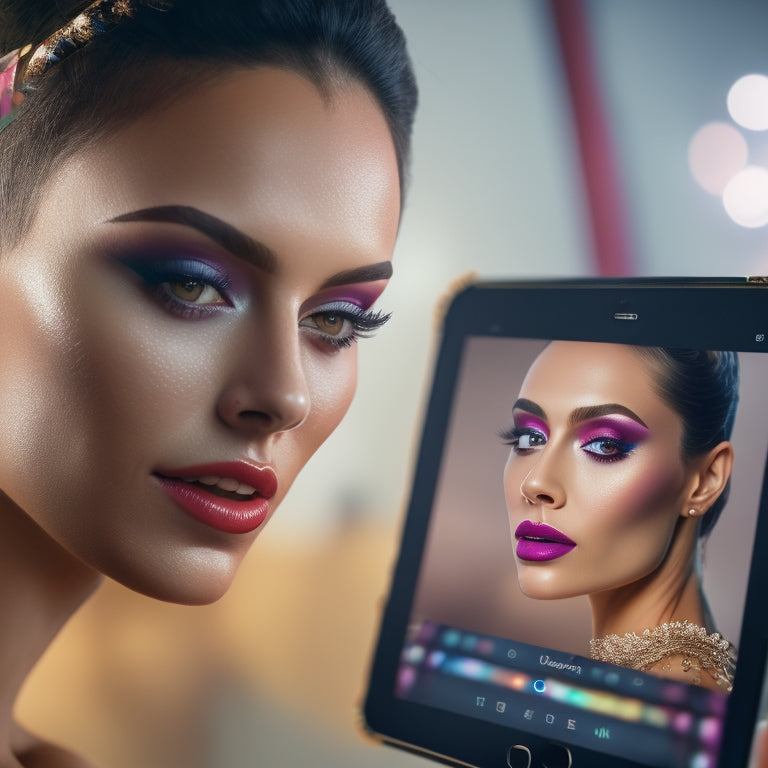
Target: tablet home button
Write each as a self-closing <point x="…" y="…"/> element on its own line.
<point x="519" y="757"/>
<point x="554" y="756"/>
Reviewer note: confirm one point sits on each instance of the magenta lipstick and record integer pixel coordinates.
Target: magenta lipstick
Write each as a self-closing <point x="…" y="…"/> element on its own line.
<point x="540" y="542"/>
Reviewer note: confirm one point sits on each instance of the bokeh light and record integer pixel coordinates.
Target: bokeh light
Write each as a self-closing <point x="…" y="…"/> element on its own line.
<point x="748" y="102"/>
<point x="746" y="197"/>
<point x="716" y="153"/>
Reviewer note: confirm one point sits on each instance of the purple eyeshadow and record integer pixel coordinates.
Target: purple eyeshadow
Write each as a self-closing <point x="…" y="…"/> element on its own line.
<point x="617" y="427"/>
<point x="528" y="421"/>
<point x="361" y="295"/>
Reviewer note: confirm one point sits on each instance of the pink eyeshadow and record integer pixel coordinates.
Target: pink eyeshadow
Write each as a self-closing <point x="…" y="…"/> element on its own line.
<point x="362" y="295"/>
<point x="528" y="421"/>
<point x="616" y="427"/>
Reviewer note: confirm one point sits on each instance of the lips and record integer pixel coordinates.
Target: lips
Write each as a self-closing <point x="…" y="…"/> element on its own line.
<point x="232" y="497"/>
<point x="541" y="542"/>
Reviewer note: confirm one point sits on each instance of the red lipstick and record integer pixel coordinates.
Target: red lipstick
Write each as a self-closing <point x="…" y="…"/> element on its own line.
<point x="541" y="542"/>
<point x="232" y="497"/>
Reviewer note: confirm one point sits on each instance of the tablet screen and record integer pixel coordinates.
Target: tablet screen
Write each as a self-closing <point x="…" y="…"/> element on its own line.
<point x="502" y="621"/>
<point x="586" y="561"/>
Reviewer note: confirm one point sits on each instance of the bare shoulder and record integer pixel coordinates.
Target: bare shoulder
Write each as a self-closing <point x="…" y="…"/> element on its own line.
<point x="31" y="751"/>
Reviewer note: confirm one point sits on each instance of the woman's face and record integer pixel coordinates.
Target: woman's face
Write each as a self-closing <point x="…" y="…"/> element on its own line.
<point x="595" y="482"/>
<point x="178" y="325"/>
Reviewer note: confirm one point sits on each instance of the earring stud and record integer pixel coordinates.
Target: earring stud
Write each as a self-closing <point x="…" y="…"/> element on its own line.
<point x="692" y="513"/>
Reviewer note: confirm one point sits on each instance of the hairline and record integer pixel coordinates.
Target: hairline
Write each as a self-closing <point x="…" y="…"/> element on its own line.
<point x="331" y="78"/>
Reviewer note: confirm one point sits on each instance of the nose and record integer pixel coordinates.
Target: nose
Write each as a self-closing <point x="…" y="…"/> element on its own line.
<point x="266" y="391"/>
<point x="542" y="485"/>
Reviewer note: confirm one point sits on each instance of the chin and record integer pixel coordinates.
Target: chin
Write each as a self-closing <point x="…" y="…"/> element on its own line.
<point x="199" y="578"/>
<point x="538" y="589"/>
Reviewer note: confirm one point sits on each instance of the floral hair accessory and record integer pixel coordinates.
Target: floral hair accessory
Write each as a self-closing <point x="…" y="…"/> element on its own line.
<point x="20" y="67"/>
<point x="97" y="18"/>
<point x="10" y="98"/>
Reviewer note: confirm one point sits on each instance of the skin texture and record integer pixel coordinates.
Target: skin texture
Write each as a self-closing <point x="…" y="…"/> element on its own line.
<point x="109" y="375"/>
<point x="616" y="485"/>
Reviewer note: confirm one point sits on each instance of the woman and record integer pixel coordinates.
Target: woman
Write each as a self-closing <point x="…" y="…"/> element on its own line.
<point x="199" y="203"/>
<point x="619" y="468"/>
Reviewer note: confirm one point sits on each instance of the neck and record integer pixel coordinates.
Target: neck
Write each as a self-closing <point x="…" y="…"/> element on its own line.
<point x="41" y="586"/>
<point x="670" y="593"/>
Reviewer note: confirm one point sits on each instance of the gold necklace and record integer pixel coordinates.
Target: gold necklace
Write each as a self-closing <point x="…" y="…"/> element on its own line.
<point x="700" y="651"/>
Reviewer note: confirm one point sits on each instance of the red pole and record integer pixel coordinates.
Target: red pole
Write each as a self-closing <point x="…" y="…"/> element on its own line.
<point x="611" y="243"/>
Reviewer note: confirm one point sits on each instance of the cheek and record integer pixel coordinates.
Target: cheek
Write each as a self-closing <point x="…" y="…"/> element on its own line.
<point x="332" y="387"/>
<point x="635" y="495"/>
<point x="512" y="479"/>
<point x="39" y="386"/>
<point x="88" y="381"/>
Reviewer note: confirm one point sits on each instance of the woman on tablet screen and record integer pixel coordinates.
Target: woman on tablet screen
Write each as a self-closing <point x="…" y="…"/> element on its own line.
<point x="619" y="468"/>
<point x="198" y="207"/>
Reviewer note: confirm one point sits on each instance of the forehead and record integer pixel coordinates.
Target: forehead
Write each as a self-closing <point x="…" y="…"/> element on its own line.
<point x="568" y="375"/>
<point x="252" y="146"/>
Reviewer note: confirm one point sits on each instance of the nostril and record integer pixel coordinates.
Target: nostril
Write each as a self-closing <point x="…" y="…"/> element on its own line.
<point x="255" y="416"/>
<point x="277" y="420"/>
<point x="257" y="407"/>
<point x="545" y="498"/>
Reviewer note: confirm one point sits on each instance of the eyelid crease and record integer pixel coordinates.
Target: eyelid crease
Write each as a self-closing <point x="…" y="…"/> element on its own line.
<point x="351" y="311"/>
<point x="531" y="423"/>
<point x="361" y="295"/>
<point x="176" y="269"/>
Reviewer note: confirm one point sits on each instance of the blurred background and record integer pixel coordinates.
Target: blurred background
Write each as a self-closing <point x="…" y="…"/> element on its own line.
<point x="554" y="138"/>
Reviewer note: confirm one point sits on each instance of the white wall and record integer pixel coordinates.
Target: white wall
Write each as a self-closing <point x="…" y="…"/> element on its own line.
<point x="494" y="190"/>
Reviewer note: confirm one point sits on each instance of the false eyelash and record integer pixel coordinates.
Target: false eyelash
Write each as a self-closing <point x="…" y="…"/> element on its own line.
<point x="364" y="325"/>
<point x="513" y="436"/>
<point x="509" y="435"/>
<point x="368" y="323"/>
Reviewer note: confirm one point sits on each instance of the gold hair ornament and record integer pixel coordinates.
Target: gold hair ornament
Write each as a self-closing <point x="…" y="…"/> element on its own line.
<point x="20" y="67"/>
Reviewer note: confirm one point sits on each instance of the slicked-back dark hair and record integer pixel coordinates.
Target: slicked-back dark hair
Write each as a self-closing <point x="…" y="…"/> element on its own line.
<point x="163" y="52"/>
<point x="702" y="387"/>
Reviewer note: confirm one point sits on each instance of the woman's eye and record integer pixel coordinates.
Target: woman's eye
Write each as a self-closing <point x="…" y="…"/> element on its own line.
<point x="333" y="328"/>
<point x="329" y="323"/>
<point x="195" y="291"/>
<point x="523" y="439"/>
<point x="531" y="440"/>
<point x="340" y="324"/>
<point x="607" y="448"/>
<point x="189" y="288"/>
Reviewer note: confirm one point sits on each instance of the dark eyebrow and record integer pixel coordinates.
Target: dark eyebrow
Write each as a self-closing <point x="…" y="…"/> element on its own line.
<point x="227" y="236"/>
<point x="366" y="274"/>
<point x="529" y="407"/>
<point x="595" y="411"/>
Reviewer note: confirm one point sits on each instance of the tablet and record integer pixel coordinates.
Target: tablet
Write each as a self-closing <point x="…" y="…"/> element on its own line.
<point x="580" y="580"/>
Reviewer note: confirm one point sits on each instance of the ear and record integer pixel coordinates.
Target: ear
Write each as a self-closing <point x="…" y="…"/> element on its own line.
<point x="710" y="474"/>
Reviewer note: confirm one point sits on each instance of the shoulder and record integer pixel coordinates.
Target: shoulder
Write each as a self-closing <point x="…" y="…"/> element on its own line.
<point x="33" y="752"/>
